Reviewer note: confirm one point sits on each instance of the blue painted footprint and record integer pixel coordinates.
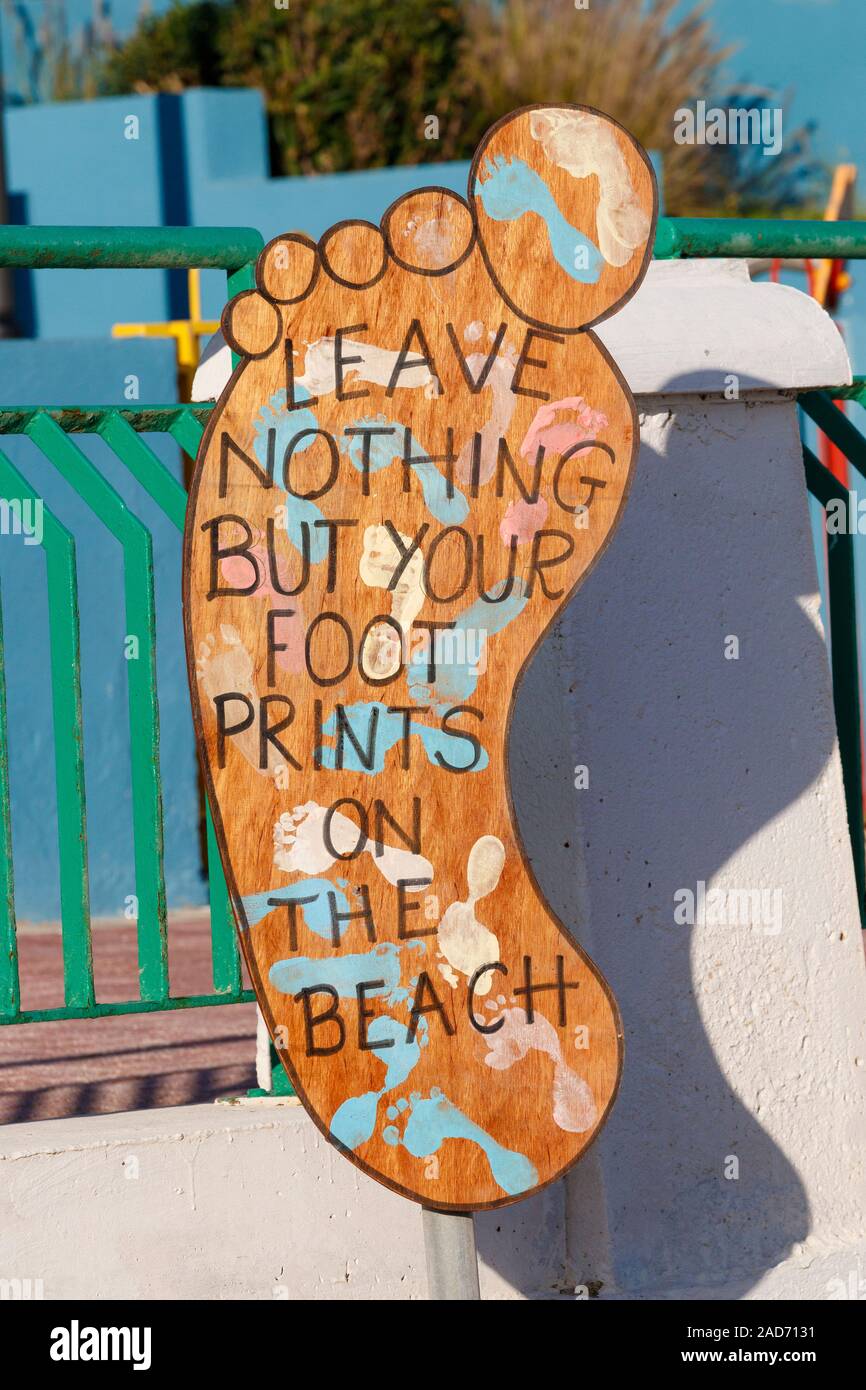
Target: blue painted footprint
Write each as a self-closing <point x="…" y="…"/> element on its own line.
<point x="375" y="732"/>
<point x="511" y="188"/>
<point x="300" y="511"/>
<point x="431" y="1121"/>
<point x="370" y="452"/>
<point x="460" y="654"/>
<point x="353" y="1122"/>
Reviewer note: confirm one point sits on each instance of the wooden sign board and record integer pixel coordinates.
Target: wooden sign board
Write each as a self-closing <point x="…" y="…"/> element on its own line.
<point x="420" y="455"/>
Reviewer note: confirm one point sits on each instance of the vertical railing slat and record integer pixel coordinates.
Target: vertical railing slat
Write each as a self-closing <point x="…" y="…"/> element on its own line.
<point x="226" y="963"/>
<point x="10" y="990"/>
<point x="69" y="760"/>
<point x="135" y="539"/>
<point x="65" y="660"/>
<point x="844" y="663"/>
<point x="225" y="959"/>
<point x="243" y="277"/>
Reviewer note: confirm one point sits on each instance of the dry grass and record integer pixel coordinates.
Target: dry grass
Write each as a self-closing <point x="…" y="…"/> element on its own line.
<point x="636" y="62"/>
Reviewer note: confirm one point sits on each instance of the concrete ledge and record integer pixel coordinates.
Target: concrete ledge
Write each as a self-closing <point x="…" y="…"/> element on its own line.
<point x="231" y="1202"/>
<point x="694" y="324"/>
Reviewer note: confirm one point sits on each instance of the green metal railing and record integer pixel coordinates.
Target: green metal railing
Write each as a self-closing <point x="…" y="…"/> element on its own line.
<point x="757" y="238"/>
<point x="842" y="597"/>
<point x="49" y="430"/>
<point x="53" y="432"/>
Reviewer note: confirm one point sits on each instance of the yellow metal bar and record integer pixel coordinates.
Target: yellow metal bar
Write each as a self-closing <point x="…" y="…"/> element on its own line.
<point x="193" y="291"/>
<point x="172" y="328"/>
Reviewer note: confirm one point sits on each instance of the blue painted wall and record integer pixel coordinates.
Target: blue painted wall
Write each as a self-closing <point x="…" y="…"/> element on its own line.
<point x="200" y="158"/>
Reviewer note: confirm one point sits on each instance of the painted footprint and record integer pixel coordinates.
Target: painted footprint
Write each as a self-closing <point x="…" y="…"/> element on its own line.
<point x="224" y="670"/>
<point x="460" y="652"/>
<point x="557" y="435"/>
<point x="420" y="416"/>
<point x="574" y="1107"/>
<point x="466" y="943"/>
<point x="377" y="729"/>
<point x="584" y="143"/>
<point x="397" y="1046"/>
<point x="370" y="365"/>
<point x="278" y="431"/>
<point x="384" y="566"/>
<point x="477" y="460"/>
<point x="373" y="443"/>
<point x="429" y="1123"/>
<point x="353" y="1122"/>
<point x="306" y="837"/>
<point x="509" y="189"/>
<point x="239" y="571"/>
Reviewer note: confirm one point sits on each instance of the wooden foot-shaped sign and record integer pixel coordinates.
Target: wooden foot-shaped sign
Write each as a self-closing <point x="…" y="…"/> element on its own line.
<point x="420" y="455"/>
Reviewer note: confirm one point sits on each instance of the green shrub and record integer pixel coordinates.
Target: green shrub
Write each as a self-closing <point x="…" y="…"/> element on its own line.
<point x="350" y="84"/>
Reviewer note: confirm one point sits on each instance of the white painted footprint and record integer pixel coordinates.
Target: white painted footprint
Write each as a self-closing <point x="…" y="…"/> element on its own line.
<point x="228" y="668"/>
<point x="584" y="143"/>
<point x="465" y="942"/>
<point x="574" y="1107"/>
<point x="379" y="563"/>
<point x="372" y="365"/>
<point x="300" y="846"/>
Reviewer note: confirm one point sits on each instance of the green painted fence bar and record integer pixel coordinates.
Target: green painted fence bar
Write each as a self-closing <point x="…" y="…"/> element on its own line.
<point x="140" y="644"/>
<point x="225" y="960"/>
<point x="844" y="663"/>
<point x="234" y="248"/>
<point x="243" y="278"/>
<point x="145" y="467"/>
<point x="187" y="431"/>
<point x="87" y="419"/>
<point x="59" y="548"/>
<point x="116" y="248"/>
<point x="130" y="1006"/>
<point x="819" y="406"/>
<point x="753" y="237"/>
<point x="856" y="391"/>
<point x="10" y="990"/>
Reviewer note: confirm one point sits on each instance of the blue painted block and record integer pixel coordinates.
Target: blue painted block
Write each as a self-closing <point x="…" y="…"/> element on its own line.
<point x="72" y="164"/>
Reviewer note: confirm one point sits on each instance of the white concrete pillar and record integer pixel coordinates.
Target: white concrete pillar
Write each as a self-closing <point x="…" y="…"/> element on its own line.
<point x="732" y="1164"/>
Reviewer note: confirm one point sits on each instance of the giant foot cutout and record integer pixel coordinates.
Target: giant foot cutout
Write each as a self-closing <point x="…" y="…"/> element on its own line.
<point x="419" y="457"/>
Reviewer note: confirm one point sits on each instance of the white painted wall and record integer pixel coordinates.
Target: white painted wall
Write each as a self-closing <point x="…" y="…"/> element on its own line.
<point x="743" y="1041"/>
<point x="740" y="1041"/>
<point x="232" y="1201"/>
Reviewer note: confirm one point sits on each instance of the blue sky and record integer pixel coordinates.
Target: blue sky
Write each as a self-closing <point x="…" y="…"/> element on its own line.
<point x="814" y="49"/>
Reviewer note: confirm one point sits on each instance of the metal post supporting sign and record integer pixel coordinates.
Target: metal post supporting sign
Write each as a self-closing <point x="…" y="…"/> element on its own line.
<point x="451" y="1256"/>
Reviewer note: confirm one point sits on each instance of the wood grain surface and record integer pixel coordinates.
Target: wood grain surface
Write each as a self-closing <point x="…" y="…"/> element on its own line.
<point x="420" y="455"/>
